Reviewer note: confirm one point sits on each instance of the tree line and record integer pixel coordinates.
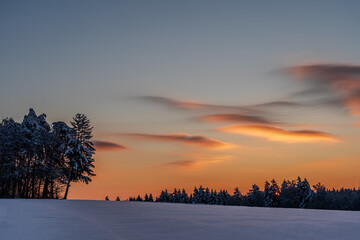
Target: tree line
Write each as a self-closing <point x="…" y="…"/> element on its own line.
<point x="290" y="194"/>
<point x="39" y="160"/>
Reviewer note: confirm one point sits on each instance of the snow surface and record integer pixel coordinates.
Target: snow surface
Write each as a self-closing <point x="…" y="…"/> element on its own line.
<point x="75" y="219"/>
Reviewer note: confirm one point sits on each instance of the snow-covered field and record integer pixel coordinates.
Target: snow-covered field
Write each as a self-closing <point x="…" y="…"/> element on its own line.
<point x="59" y="219"/>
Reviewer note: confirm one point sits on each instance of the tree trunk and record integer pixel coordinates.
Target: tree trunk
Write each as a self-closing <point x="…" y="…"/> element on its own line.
<point x="45" y="189"/>
<point x="68" y="184"/>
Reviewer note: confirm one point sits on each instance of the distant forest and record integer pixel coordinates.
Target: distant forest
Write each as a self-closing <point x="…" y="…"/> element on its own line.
<point x="39" y="160"/>
<point x="291" y="194"/>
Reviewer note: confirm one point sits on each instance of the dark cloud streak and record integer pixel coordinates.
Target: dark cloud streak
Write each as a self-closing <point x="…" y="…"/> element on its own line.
<point x="103" y="145"/>
<point x="195" y="140"/>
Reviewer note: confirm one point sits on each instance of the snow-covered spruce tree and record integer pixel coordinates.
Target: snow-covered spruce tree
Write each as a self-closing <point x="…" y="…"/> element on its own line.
<point x="164" y="196"/>
<point x="208" y="196"/>
<point x="225" y="197"/>
<point x="212" y="197"/>
<point x="288" y="196"/>
<point x="79" y="151"/>
<point x="195" y="196"/>
<point x="151" y="199"/>
<point x="201" y="195"/>
<point x="255" y="197"/>
<point x="12" y="164"/>
<point x="176" y="195"/>
<point x="267" y="194"/>
<point x="237" y="198"/>
<point x="37" y="140"/>
<point x="146" y="198"/>
<point x="304" y="193"/>
<point x="184" y="197"/>
<point x="272" y="193"/>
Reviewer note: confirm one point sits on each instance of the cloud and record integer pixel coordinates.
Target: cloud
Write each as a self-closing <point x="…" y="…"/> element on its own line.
<point x="108" y="146"/>
<point x="197" y="159"/>
<point x="278" y="104"/>
<point x="357" y="124"/>
<point x="338" y="76"/>
<point x="279" y="134"/>
<point x="352" y="102"/>
<point x="340" y="83"/>
<point x="195" y="140"/>
<point x="241" y="118"/>
<point x="191" y="104"/>
<point x="183" y="163"/>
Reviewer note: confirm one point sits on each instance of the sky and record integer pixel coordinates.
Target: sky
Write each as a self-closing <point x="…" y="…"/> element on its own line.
<point x="222" y="94"/>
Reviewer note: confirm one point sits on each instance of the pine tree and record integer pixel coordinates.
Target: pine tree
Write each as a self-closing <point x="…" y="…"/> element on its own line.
<point x="272" y="194"/>
<point x="288" y="196"/>
<point x="79" y="151"/>
<point x="195" y="198"/>
<point x="151" y="199"/>
<point x="106" y="198"/>
<point x="304" y="193"/>
<point x="164" y="196"/>
<point x="237" y="197"/>
<point x="117" y="199"/>
<point x="255" y="197"/>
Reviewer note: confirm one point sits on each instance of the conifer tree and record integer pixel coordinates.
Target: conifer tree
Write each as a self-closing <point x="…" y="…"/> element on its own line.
<point x="79" y="151"/>
<point x="272" y="194"/>
<point x="151" y="199"/>
<point x="255" y="197"/>
<point x="304" y="193"/>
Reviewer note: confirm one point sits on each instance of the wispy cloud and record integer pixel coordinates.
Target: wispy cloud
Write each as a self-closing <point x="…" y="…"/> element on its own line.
<point x="339" y="83"/>
<point x="195" y="140"/>
<point x="108" y="146"/>
<point x="196" y="159"/>
<point x="340" y="77"/>
<point x="275" y="104"/>
<point x="239" y="118"/>
<point x="183" y="163"/>
<point x="191" y="104"/>
<point x="273" y="133"/>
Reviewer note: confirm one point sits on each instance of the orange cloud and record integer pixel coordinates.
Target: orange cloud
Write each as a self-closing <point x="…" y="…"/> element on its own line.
<point x="183" y="163"/>
<point x="278" y="134"/>
<point x="357" y="124"/>
<point x="352" y="102"/>
<point x="196" y="140"/>
<point x="235" y="118"/>
<point x="196" y="159"/>
<point x="108" y="146"/>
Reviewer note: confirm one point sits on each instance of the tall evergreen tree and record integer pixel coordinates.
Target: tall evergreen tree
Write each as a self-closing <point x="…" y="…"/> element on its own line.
<point x="272" y="194"/>
<point x="304" y="193"/>
<point x="79" y="151"/>
<point x="255" y="197"/>
<point x="151" y="199"/>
